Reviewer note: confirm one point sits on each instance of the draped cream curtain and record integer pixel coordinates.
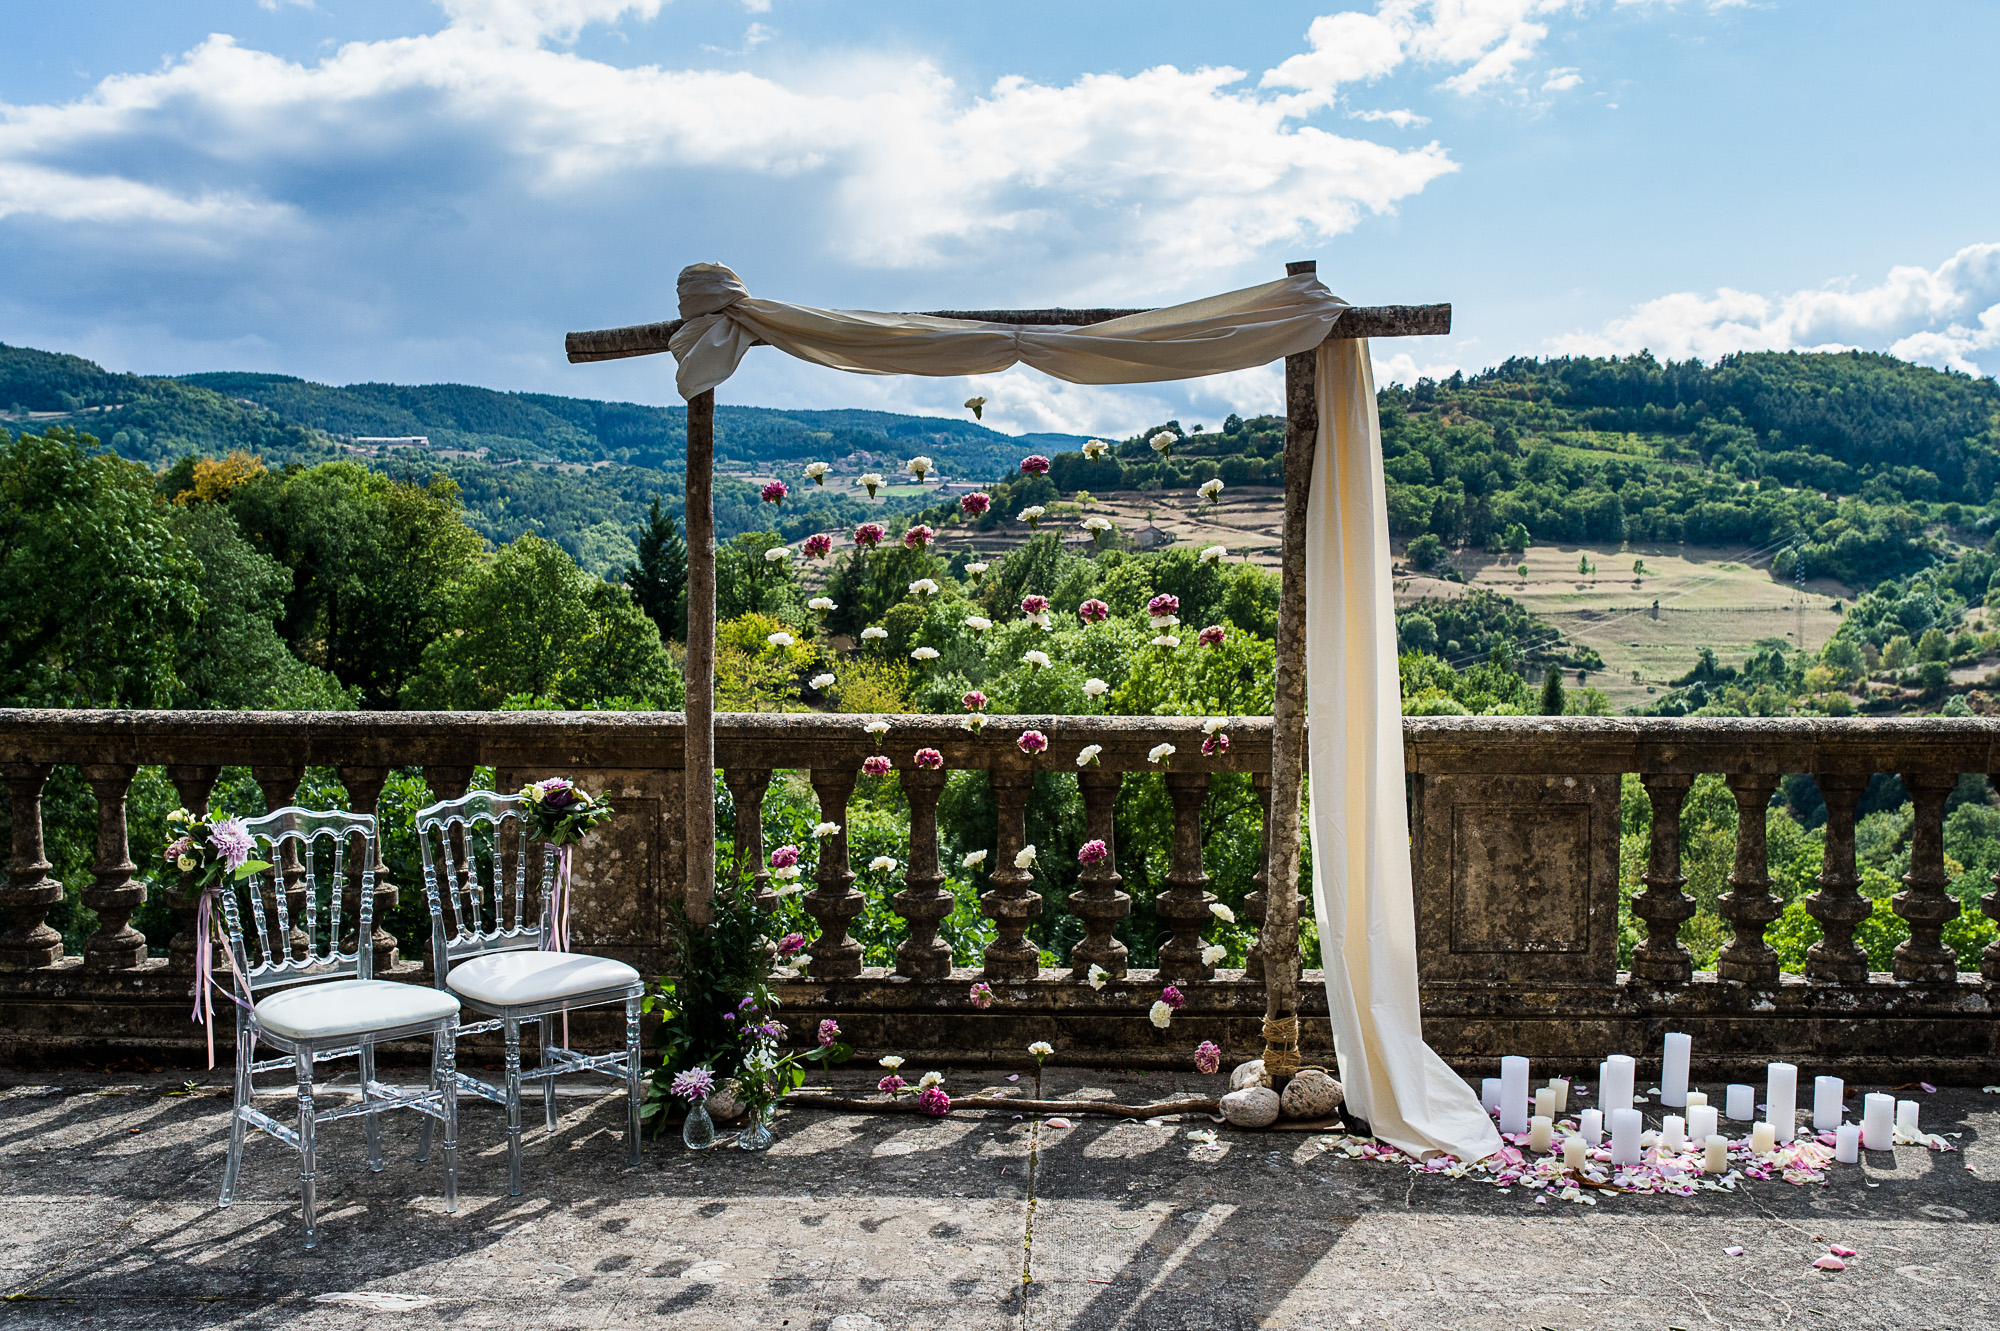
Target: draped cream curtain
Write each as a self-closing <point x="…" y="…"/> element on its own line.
<point x="1361" y="866"/>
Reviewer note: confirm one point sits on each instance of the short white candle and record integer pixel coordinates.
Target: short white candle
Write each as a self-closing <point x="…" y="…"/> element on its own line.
<point x="1696" y="1098"/>
<point x="1763" y="1138"/>
<point x="1701" y="1122"/>
<point x="1781" y="1099"/>
<point x="1906" y="1116"/>
<point x="1847" y="1143"/>
<point x="1591" y="1124"/>
<point x="1489" y="1094"/>
<point x="1545" y="1102"/>
<point x="1674" y="1069"/>
<point x="1827" y="1107"/>
<point x="1574" y="1151"/>
<point x="1742" y="1102"/>
<point x="1616" y="1080"/>
<point x="1673" y="1132"/>
<point x="1560" y="1086"/>
<point x="1513" y="1094"/>
<point x="1626" y="1125"/>
<point x="1715" y="1155"/>
<point x="1541" y="1131"/>
<point x="1876" y="1113"/>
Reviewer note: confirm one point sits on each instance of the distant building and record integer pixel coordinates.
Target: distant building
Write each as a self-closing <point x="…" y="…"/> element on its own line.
<point x="1150" y="537"/>
<point x="393" y="441"/>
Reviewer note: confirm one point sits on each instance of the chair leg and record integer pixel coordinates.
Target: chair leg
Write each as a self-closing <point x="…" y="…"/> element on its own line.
<point x="632" y="1080"/>
<point x="548" y="1082"/>
<point x="307" y="1122"/>
<point x="513" y="1028"/>
<point x="372" y="1119"/>
<point x="447" y="1040"/>
<point x="437" y="1086"/>
<point x="246" y="1054"/>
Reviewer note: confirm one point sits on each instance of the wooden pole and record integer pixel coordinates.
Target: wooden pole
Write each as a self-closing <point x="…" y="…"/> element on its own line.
<point x="698" y="748"/>
<point x="1281" y="915"/>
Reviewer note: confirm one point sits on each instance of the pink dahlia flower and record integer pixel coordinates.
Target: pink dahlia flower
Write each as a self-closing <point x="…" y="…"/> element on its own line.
<point x="975" y="504"/>
<point x="1035" y="465"/>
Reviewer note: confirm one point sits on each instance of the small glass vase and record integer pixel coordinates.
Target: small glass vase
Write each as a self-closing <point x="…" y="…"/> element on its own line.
<point x="698" y="1133"/>
<point x="756" y="1134"/>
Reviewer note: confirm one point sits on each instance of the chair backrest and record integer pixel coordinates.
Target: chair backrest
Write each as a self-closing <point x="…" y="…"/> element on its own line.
<point x="478" y="862"/>
<point x="313" y="910"/>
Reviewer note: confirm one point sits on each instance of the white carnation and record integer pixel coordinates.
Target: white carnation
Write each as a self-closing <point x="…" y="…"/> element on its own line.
<point x="1026" y="859"/>
<point x="815" y="470"/>
<point x="924" y="654"/>
<point x="1098" y="975"/>
<point x="780" y="640"/>
<point x="882" y="864"/>
<point x="1213" y="724"/>
<point x="1166" y="641"/>
<point x="1095" y="448"/>
<point x="891" y="1061"/>
<point x="826" y="829"/>
<point x="973" y="859"/>
<point x="929" y="1079"/>
<point x="820" y="681"/>
<point x="1221" y="912"/>
<point x="1159" y="753"/>
<point x="874" y="633"/>
<point x="1041" y="1049"/>
<point x="1095" y="688"/>
<point x="821" y="604"/>
<point x="1039" y="660"/>
<point x="877" y="728"/>
<point x="1161" y="1015"/>
<point x="976" y="570"/>
<point x="978" y="623"/>
<point x="1209" y="489"/>
<point x="872" y="478"/>
<point x="1213" y="953"/>
<point x="777" y="554"/>
<point x="1161" y="442"/>
<point x="923" y="587"/>
<point x="1214" y="553"/>
<point x="920" y="467"/>
<point x="1031" y="512"/>
<point x="1088" y="754"/>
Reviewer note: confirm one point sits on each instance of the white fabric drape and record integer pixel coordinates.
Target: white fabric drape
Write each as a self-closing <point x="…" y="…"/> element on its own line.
<point x="1361" y="867"/>
<point x="1363" y="896"/>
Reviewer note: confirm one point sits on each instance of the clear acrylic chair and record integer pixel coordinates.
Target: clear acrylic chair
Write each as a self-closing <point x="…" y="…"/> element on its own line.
<point x="478" y="857"/>
<point x="301" y="990"/>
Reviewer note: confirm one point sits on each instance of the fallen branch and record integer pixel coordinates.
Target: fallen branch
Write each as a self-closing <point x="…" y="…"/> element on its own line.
<point x="908" y="1105"/>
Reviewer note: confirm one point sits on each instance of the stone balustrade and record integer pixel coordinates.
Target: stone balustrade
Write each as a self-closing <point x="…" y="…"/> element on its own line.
<point x="1515" y="842"/>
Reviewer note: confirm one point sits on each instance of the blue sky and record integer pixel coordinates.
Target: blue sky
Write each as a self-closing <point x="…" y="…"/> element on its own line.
<point x="415" y="192"/>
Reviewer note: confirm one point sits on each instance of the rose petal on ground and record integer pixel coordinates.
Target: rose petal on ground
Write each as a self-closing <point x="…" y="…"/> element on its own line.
<point x="1830" y="1263"/>
<point x="1734" y="1252"/>
<point x="1839" y="1251"/>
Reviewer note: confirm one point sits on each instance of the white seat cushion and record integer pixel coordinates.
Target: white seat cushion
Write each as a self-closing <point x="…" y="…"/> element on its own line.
<point x="351" y="1007"/>
<point x="523" y="979"/>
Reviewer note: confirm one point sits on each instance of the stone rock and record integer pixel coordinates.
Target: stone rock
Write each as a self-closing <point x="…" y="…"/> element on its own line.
<point x="1247" y="1074"/>
<point x="1251" y="1107"/>
<point x="1311" y="1094"/>
<point x="723" y="1103"/>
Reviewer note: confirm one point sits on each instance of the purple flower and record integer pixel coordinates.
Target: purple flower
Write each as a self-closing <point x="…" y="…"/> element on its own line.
<point x="1163" y="605"/>
<point x="1034" y="605"/>
<point x="1093" y="611"/>
<point x="891" y="1085"/>
<point x="232" y="842"/>
<point x="817" y="546"/>
<point x="935" y="1102"/>
<point x="1035" y="465"/>
<point x="775" y="492"/>
<point x="877" y="765"/>
<point x="1211" y="636"/>
<point x="1207" y="1058"/>
<point x="869" y="534"/>
<point x="1214" y="744"/>
<point x="791" y="945"/>
<point x="1172" y="998"/>
<point x="974" y="701"/>
<point x="982" y="995"/>
<point x="1032" y="741"/>
<point x="918" y="537"/>
<point x="929" y="759"/>
<point x="784" y="857"/>
<point x="829" y="1030"/>
<point x="1093" y="852"/>
<point x="694" y="1084"/>
<point x="975" y="503"/>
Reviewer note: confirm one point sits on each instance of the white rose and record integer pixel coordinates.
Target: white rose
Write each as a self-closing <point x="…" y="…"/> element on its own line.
<point x="1214" y="553"/>
<point x="919" y="467"/>
<point x="821" y="604"/>
<point x="786" y="874"/>
<point x="877" y="728"/>
<point x="1026" y="859"/>
<point x="1041" y="1049"/>
<point x="874" y="633"/>
<point x="1159" y="753"/>
<point x="929" y="1079"/>
<point x="1095" y="688"/>
<point x="1213" y="953"/>
<point x="923" y="587"/>
<point x="1094" y="448"/>
<point x="1098" y="975"/>
<point x="1038" y="660"/>
<point x="1031" y="512"/>
<point x="924" y="654"/>
<point x="978" y="623"/>
<point x="977" y="570"/>
<point x="1167" y="641"/>
<point x="870" y="479"/>
<point x="973" y="860"/>
<point x="882" y="864"/>
<point x="1161" y="442"/>
<point x="1097" y="524"/>
<point x="1209" y="489"/>
<point x="1161" y="1015"/>
<point x="815" y="470"/>
<point x="1088" y="754"/>
<point x="1213" y="724"/>
<point x="891" y="1061"/>
<point x="780" y="640"/>
<point x="826" y="829"/>
<point x="1221" y="912"/>
<point x="777" y="554"/>
<point x="820" y="681"/>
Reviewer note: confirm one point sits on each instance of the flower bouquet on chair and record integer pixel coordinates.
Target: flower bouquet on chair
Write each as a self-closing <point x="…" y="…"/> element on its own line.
<point x="561" y="813"/>
<point x="207" y="849"/>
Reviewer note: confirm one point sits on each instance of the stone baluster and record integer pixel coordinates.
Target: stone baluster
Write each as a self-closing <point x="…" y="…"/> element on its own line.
<point x="1099" y="903"/>
<point x="31" y="893"/>
<point x="1183" y="907"/>
<point x="114" y="892"/>
<point x="746" y="789"/>
<point x="1011" y="902"/>
<point x="834" y="903"/>
<point x="194" y="783"/>
<point x="1926" y="900"/>
<point x="1748" y="905"/>
<point x="1838" y="905"/>
<point x="1661" y="958"/>
<point x="922" y="955"/>
<point x="364" y="795"/>
<point x="280" y="785"/>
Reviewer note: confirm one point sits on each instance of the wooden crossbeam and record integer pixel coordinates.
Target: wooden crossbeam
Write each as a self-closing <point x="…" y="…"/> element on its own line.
<point x="1355" y="321"/>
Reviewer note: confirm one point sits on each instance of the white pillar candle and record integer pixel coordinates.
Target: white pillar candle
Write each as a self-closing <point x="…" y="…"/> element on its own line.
<point x="1545" y="1102"/>
<point x="1674" y="1069"/>
<point x="1616" y="1080"/>
<point x="1591" y="1123"/>
<point x="1573" y="1151"/>
<point x="1626" y="1125"/>
<point x="1763" y="1137"/>
<point x="1876" y="1111"/>
<point x="1781" y="1099"/>
<point x="1906" y="1116"/>
<point x="1696" y="1099"/>
<point x="1541" y="1130"/>
<point x="1701" y="1122"/>
<point x="1715" y="1155"/>
<point x="1847" y="1143"/>
<point x="1827" y="1109"/>
<point x="1742" y="1103"/>
<point x="1489" y="1094"/>
<point x="1673" y="1132"/>
<point x="1560" y="1086"/>
<point x="1513" y="1094"/>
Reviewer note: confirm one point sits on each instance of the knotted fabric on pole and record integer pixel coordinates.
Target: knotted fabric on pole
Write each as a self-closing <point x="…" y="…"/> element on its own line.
<point x="1360" y="831"/>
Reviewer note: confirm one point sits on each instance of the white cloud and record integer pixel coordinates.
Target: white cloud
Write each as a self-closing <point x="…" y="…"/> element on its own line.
<point x="1400" y="119"/>
<point x="1561" y="80"/>
<point x="1947" y="316"/>
<point x="535" y="20"/>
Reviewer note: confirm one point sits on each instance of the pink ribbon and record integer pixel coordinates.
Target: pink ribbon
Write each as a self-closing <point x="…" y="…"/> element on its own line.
<point x="204" y="971"/>
<point x="557" y="937"/>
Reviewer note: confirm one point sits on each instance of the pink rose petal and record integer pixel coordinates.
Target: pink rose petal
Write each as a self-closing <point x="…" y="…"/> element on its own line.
<point x="1830" y="1263"/>
<point x="1928" y="1088"/>
<point x="1734" y="1252"/>
<point x="1839" y="1251"/>
<point x="1013" y="1076"/>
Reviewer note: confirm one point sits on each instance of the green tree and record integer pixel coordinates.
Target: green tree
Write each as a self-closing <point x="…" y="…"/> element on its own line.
<point x="1933" y="645"/>
<point x="659" y="580"/>
<point x="747" y="583"/>
<point x="1551" y="703"/>
<point x="96" y="593"/>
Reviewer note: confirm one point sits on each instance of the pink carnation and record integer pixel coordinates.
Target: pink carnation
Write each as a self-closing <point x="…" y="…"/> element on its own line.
<point x="918" y="537"/>
<point x="1093" y="611"/>
<point x="1035" y="465"/>
<point x="1163" y="605"/>
<point x="829" y="1031"/>
<point x="929" y="759"/>
<point x="784" y="857"/>
<point x="817" y="546"/>
<point x="1211" y="636"/>
<point x="1214" y="744"/>
<point x="1172" y="998"/>
<point x="975" y="503"/>
<point x="935" y="1102"/>
<point x="981" y="995"/>
<point x="1032" y="741"/>
<point x="775" y="492"/>
<point x="869" y="535"/>
<point x="1093" y="852"/>
<point x="791" y="945"/>
<point x="877" y="765"/>
<point x="891" y="1085"/>
<point x="1207" y="1058"/>
<point x="974" y="701"/>
<point x="1034" y="605"/>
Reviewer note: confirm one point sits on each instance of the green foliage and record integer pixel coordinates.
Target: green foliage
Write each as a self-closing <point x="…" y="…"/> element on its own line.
<point x="716" y="965"/>
<point x="658" y="581"/>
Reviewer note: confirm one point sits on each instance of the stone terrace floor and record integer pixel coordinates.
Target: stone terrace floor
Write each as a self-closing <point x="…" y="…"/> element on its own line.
<point x="853" y="1223"/>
